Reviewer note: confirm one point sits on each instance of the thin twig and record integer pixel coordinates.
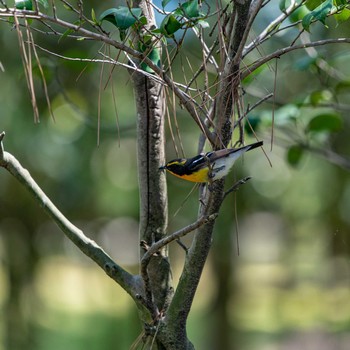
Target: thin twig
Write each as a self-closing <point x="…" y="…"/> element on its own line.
<point x="43" y="79"/>
<point x="27" y="66"/>
<point x="258" y="103"/>
<point x="154" y="249"/>
<point x="178" y="234"/>
<point x="270" y="28"/>
<point x="237" y="185"/>
<point x="185" y="100"/>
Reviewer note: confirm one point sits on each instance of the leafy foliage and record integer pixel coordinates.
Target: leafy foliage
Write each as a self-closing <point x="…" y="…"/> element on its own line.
<point x="294" y="155"/>
<point x="122" y="17"/>
<point x="317" y="14"/>
<point x="319" y="10"/>
<point x="28" y="5"/>
<point x="170" y="25"/>
<point x="186" y="15"/>
<point x="325" y="122"/>
<point x="190" y="9"/>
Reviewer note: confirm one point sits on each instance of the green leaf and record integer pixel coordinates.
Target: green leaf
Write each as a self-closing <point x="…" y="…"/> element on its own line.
<point x="28" y="4"/>
<point x="294" y="155"/>
<point x="126" y="17"/>
<point x="319" y="14"/>
<point x="70" y="31"/>
<point x="108" y="15"/>
<point x="24" y="4"/>
<point x="203" y="24"/>
<point x="282" y="5"/>
<point x="170" y="25"/>
<point x="286" y="114"/>
<point x="147" y="39"/>
<point x="93" y="16"/>
<point x="253" y="124"/>
<point x="316" y="97"/>
<point x="343" y="86"/>
<point x="298" y="14"/>
<point x="143" y="20"/>
<point x="154" y="56"/>
<point x="191" y="8"/>
<point x="178" y="12"/>
<point x="343" y="16"/>
<point x="122" y="17"/>
<point x="312" y="4"/>
<point x="122" y="34"/>
<point x="330" y="122"/>
<point x="65" y="34"/>
<point x="340" y="2"/>
<point x="165" y="2"/>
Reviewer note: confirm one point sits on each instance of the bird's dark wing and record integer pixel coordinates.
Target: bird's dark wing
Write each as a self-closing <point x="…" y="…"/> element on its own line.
<point x="213" y="156"/>
<point x="196" y="163"/>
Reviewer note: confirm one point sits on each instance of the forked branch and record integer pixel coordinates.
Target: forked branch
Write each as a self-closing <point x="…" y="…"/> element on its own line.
<point x="184" y="98"/>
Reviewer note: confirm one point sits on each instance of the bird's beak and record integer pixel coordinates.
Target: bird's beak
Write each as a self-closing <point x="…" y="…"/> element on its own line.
<point x="162" y="167"/>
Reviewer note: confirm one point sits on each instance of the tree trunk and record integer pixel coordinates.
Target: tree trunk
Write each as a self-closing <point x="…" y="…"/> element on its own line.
<point x="150" y="104"/>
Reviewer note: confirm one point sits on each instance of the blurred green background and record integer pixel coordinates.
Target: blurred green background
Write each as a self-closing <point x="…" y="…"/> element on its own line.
<point x="288" y="288"/>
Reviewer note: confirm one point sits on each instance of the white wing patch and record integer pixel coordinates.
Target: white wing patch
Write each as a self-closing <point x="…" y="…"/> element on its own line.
<point x="222" y="166"/>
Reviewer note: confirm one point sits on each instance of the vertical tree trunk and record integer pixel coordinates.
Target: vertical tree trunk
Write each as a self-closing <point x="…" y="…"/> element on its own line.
<point x="150" y="104"/>
<point x="153" y="192"/>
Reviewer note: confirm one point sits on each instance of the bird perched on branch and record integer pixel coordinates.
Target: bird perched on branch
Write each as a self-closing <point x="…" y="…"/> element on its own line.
<point x="207" y="167"/>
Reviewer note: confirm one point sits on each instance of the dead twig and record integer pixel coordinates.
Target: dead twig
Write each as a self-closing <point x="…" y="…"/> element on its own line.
<point x="237" y="185"/>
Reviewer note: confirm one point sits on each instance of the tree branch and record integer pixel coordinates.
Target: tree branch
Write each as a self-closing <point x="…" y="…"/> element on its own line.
<point x="130" y="283"/>
<point x="185" y="100"/>
<point x="237" y="185"/>
<point x="230" y="79"/>
<point x="195" y="260"/>
<point x="270" y="28"/>
<point x="246" y="13"/>
<point x="174" y="236"/>
<point x="330" y="156"/>
<point x="278" y="53"/>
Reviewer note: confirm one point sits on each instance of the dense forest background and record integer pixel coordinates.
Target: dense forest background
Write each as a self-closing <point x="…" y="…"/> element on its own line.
<point x="285" y="257"/>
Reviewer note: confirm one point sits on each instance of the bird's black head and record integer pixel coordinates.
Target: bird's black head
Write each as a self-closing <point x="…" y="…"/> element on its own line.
<point x="175" y="166"/>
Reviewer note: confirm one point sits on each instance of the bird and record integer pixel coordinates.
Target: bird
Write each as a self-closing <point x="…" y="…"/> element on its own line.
<point x="207" y="167"/>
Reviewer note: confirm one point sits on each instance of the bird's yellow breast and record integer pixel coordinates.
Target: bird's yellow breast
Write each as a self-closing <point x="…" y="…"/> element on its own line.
<point x="198" y="176"/>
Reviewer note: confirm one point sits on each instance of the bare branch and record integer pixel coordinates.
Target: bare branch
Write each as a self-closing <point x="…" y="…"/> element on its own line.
<point x="131" y="284"/>
<point x="195" y="260"/>
<point x="237" y="185"/>
<point x="258" y="103"/>
<point x="155" y="249"/>
<point x="270" y="28"/>
<point x="176" y="235"/>
<point x="330" y="156"/>
<point x="278" y="53"/>
<point x="77" y="28"/>
<point x="185" y="100"/>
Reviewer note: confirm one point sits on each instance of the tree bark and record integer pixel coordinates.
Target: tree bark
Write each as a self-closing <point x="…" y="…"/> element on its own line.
<point x="150" y="105"/>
